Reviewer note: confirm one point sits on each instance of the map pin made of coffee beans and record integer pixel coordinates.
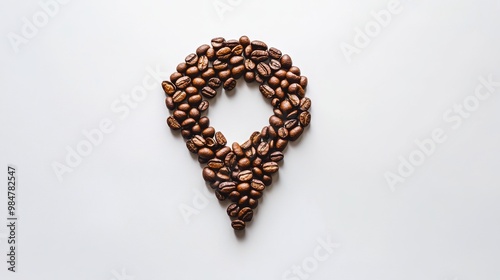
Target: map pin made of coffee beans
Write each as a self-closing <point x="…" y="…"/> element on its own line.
<point x="238" y="172"/>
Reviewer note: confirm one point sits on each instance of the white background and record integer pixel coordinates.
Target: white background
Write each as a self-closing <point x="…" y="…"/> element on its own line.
<point x="116" y="215"/>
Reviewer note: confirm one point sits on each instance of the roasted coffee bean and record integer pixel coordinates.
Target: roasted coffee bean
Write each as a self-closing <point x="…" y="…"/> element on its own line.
<point x="215" y="164"/>
<point x="236" y="60"/>
<point x="281" y="74"/>
<point x="244" y="41"/>
<point x="274" y="82"/>
<point x="179" y="96"/>
<point x="263" y="149"/>
<point x="289" y="124"/>
<point x="246" y="145"/>
<point x="305" y="118"/>
<point x="191" y="147"/>
<point x="277" y="112"/>
<point x="238" y="225"/>
<point x="208" y="92"/>
<point x="202" y="50"/>
<point x="238" y="151"/>
<point x="281" y="143"/>
<point x="294" y="100"/>
<point x="211" y="143"/>
<point x="245" y="214"/>
<point x="204" y="122"/>
<point x="258" y="45"/>
<point x="237" y="50"/>
<point x="186" y="134"/>
<point x="292" y="115"/>
<point x="215" y="184"/>
<point x="275" y="65"/>
<point x="198" y="82"/>
<point x="276" y="156"/>
<point x="259" y="55"/>
<point x="230" y="159"/>
<point x="257" y="185"/>
<point x="250" y="65"/>
<point x="219" y="65"/>
<point x="208" y="174"/>
<point x="264" y="69"/>
<point x="286" y="61"/>
<point x="296" y="132"/>
<point x="202" y="63"/>
<point x="206" y="153"/>
<point x="211" y="54"/>
<point x="286" y="106"/>
<point x="244" y="163"/>
<point x="232" y="43"/>
<point x="243" y="188"/>
<point x="224" y="53"/>
<point x="229" y="84"/>
<point x="279" y="93"/>
<point x="209" y="73"/>
<point x="305" y="104"/>
<point x="249" y="77"/>
<point x="267" y="180"/>
<point x="238" y="71"/>
<point x="275" y="121"/>
<point x="203" y="106"/>
<point x="192" y="71"/>
<point x="168" y="87"/>
<point x="274" y="53"/>
<point x="169" y="103"/>
<point x="222" y="153"/>
<point x="284" y="84"/>
<point x="295" y="70"/>
<point x="196" y="129"/>
<point x="255" y="194"/>
<point x="266" y="91"/>
<point x="175" y="76"/>
<point x="208" y="132"/>
<point x="190" y="91"/>
<point x="234" y="196"/>
<point x="199" y="141"/>
<point x="253" y="203"/>
<point x="283" y="132"/>
<point x="214" y="83"/>
<point x="220" y="138"/>
<point x="243" y="201"/>
<point x="257" y="172"/>
<point x="292" y="77"/>
<point x="179" y="115"/>
<point x="183" y="82"/>
<point x="173" y="123"/>
<point x="270" y="167"/>
<point x="303" y="81"/>
<point x="251" y="153"/>
<point x="195" y="100"/>
<point x="224" y="174"/>
<point x="233" y="209"/>
<point x="224" y="75"/>
<point x="271" y="131"/>
<point x="247" y="52"/>
<point x="227" y="187"/>
<point x="296" y="89"/>
<point x="245" y="176"/>
<point x="218" y="42"/>
<point x="191" y="59"/>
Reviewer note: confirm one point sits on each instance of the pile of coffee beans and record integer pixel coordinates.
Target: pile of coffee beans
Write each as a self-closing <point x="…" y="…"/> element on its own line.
<point x="238" y="172"/>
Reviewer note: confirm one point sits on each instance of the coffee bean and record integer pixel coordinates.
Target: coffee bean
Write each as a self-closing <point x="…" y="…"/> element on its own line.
<point x="237" y="60"/>
<point x="198" y="82"/>
<point x="175" y="76"/>
<point x="190" y="91"/>
<point x="243" y="188"/>
<point x="296" y="89"/>
<point x="263" y="149"/>
<point x="274" y="82"/>
<point x="275" y="121"/>
<point x="283" y="132"/>
<point x="183" y="82"/>
<point x="263" y="69"/>
<point x="186" y="134"/>
<point x="247" y="52"/>
<point x="296" y="132"/>
<point x="257" y="185"/>
<point x="208" y="92"/>
<point x="251" y="153"/>
<point x="215" y="184"/>
<point x="218" y="42"/>
<point x="233" y="209"/>
<point x="266" y="91"/>
<point x="305" y="104"/>
<point x="203" y="106"/>
<point x="238" y="151"/>
<point x="191" y="59"/>
<point x="244" y="163"/>
<point x="258" y="45"/>
<point x="246" y="145"/>
<point x="286" y="61"/>
<point x="249" y="77"/>
<point x="230" y="159"/>
<point x="214" y="83"/>
<point x="238" y="225"/>
<point x="250" y="65"/>
<point x="202" y="63"/>
<point x="211" y="54"/>
<point x="292" y="78"/>
<point x="195" y="100"/>
<point x="191" y="147"/>
<point x="209" y="73"/>
<point x="259" y="55"/>
<point x="202" y="50"/>
<point x="305" y="118"/>
<point x="267" y="179"/>
<point x="289" y="124"/>
<point x="274" y="53"/>
<point x="168" y="87"/>
<point x="276" y="156"/>
<point x="222" y="153"/>
<point x="169" y="103"/>
<point x="286" y="106"/>
<point x="238" y="71"/>
<point x="220" y="196"/>
<point x="224" y="53"/>
<point x="275" y="65"/>
<point x="227" y="187"/>
<point x="294" y="100"/>
<point x="271" y="131"/>
<point x="206" y="153"/>
<point x="219" y="65"/>
<point x="257" y="172"/>
<point x="229" y="84"/>
<point x="199" y="141"/>
<point x="278" y="113"/>
<point x="204" y="122"/>
<point x="208" y="174"/>
<point x="192" y="71"/>
<point x="270" y="167"/>
<point x="225" y="74"/>
<point x="281" y="143"/>
<point x="244" y="41"/>
<point x="292" y="115"/>
<point x="211" y="143"/>
<point x="234" y="196"/>
<point x="179" y="115"/>
<point x="245" y="214"/>
<point x="284" y="84"/>
<point x="184" y="107"/>
<point x="279" y="93"/>
<point x="281" y="74"/>
<point x="215" y="164"/>
<point x="303" y="81"/>
<point x="245" y="176"/>
<point x="179" y="96"/>
<point x="220" y="139"/>
<point x="224" y="174"/>
<point x="173" y="123"/>
<point x="243" y="201"/>
<point x="196" y="129"/>
<point x="255" y="194"/>
<point x="237" y="50"/>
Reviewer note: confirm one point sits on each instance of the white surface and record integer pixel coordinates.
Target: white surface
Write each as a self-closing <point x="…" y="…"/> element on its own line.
<point x="117" y="214"/>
